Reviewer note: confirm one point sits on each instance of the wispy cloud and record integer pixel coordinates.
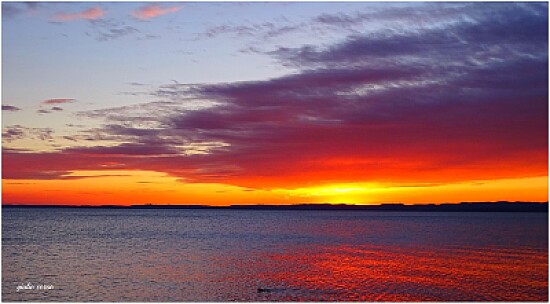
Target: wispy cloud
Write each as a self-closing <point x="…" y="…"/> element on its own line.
<point x="48" y="111"/>
<point x="12" y="10"/>
<point x="452" y="45"/>
<point x="16" y="132"/>
<point x="115" y="33"/>
<point x="152" y="11"/>
<point x="58" y="101"/>
<point x="93" y="13"/>
<point x="264" y="30"/>
<point x="111" y="29"/>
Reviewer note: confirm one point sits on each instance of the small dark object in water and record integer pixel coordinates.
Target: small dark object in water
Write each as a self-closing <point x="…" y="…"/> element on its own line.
<point x="264" y="290"/>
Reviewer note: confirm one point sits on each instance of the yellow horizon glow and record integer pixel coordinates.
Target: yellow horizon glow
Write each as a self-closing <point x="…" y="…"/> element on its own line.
<point x="520" y="189"/>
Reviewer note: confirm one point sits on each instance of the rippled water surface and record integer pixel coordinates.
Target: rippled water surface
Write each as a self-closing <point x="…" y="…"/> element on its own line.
<point x="226" y="255"/>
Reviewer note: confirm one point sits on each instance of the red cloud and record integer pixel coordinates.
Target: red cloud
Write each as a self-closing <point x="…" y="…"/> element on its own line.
<point x="93" y="13"/>
<point x="152" y="11"/>
<point x="58" y="101"/>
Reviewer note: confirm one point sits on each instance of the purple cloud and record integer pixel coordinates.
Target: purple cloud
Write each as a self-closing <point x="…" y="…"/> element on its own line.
<point x="43" y="111"/>
<point x="10" y="108"/>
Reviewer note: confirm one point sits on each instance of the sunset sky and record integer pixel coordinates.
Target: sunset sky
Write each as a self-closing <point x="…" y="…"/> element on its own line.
<point x="274" y="103"/>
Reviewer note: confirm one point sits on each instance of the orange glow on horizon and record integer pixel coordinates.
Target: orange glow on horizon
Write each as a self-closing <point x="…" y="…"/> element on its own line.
<point x="134" y="187"/>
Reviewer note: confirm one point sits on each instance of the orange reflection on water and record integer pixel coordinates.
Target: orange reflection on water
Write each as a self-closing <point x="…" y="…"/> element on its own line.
<point x="387" y="273"/>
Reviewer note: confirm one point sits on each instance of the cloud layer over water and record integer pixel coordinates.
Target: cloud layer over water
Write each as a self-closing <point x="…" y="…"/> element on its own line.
<point x="460" y="94"/>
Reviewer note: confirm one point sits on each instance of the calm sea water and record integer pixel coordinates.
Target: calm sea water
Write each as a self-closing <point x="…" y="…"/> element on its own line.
<point x="227" y="255"/>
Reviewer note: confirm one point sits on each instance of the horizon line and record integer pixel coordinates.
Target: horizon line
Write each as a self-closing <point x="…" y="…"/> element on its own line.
<point x="505" y="206"/>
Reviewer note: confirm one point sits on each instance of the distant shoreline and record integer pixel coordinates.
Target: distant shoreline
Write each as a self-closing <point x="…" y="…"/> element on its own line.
<point x="460" y="207"/>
